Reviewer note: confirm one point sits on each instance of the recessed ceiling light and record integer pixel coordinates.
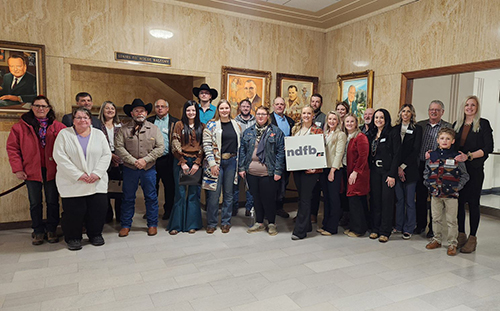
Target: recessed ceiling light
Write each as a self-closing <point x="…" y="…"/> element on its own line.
<point x="360" y="63"/>
<point x="160" y="33"/>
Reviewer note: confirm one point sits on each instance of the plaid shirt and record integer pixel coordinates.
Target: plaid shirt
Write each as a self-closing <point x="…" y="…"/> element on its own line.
<point x="429" y="135"/>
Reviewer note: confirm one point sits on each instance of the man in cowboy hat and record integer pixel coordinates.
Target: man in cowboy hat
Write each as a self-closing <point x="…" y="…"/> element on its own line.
<point x="205" y="96"/>
<point x="139" y="144"/>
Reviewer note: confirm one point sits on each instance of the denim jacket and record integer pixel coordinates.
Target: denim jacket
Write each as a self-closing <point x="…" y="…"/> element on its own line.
<point x="275" y="150"/>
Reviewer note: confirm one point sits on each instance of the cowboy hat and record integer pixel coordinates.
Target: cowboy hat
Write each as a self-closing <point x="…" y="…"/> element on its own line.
<point x="137" y="103"/>
<point x="205" y="87"/>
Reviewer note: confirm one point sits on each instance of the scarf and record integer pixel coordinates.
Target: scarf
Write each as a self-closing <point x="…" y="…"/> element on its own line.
<point x="261" y="130"/>
<point x="42" y="131"/>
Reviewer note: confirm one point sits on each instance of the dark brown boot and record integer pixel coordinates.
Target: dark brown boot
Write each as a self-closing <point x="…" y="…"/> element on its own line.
<point x="462" y="239"/>
<point x="470" y="246"/>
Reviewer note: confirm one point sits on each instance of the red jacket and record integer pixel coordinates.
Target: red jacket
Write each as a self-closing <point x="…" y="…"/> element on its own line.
<point x="24" y="151"/>
<point x="357" y="160"/>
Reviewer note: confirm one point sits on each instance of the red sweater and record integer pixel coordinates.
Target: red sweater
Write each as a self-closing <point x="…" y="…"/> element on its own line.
<point x="23" y="149"/>
<point x="357" y="160"/>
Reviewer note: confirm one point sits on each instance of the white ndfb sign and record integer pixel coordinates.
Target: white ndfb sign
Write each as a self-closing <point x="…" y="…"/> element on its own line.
<point x="305" y="152"/>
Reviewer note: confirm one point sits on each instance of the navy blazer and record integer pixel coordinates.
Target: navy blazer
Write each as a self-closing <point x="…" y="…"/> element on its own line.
<point x="410" y="150"/>
<point x="483" y="140"/>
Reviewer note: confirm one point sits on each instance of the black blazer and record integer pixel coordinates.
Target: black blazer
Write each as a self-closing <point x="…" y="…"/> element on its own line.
<point x="387" y="151"/>
<point x="481" y="140"/>
<point x="288" y="119"/>
<point x="410" y="150"/>
<point x="171" y="123"/>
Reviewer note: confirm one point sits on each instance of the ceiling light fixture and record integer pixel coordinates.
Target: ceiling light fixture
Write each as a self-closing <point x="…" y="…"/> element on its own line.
<point x="360" y="63"/>
<point x="160" y="33"/>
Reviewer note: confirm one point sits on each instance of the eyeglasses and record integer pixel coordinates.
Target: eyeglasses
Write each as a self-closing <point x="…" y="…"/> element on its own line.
<point x="261" y="114"/>
<point x="435" y="109"/>
<point x="82" y="118"/>
<point x="40" y="106"/>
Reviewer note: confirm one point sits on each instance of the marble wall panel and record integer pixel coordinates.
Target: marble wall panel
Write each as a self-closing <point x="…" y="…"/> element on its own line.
<point x="36" y="22"/>
<point x="420" y="35"/>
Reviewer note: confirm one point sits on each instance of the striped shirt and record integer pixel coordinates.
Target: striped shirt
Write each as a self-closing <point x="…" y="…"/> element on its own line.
<point x="429" y="135"/>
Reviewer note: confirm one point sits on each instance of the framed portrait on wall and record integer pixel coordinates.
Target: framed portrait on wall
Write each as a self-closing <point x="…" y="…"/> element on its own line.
<point x="22" y="76"/>
<point x="296" y="91"/>
<point x="356" y="89"/>
<point x="238" y="84"/>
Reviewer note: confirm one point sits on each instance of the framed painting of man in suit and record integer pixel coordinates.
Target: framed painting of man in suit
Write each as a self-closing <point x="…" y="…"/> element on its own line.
<point x="239" y="84"/>
<point x="356" y="89"/>
<point x="296" y="91"/>
<point x="22" y="76"/>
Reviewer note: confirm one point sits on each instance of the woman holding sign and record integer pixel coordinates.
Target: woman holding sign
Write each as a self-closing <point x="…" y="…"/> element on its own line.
<point x="331" y="177"/>
<point x="305" y="179"/>
<point x="262" y="162"/>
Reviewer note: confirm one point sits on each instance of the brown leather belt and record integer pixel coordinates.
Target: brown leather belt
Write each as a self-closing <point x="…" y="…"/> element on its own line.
<point x="226" y="156"/>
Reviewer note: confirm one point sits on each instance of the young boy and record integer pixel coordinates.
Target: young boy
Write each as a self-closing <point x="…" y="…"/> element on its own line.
<point x="444" y="177"/>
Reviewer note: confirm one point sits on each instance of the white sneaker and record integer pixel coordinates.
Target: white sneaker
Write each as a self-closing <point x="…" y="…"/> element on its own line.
<point x="272" y="229"/>
<point x="256" y="228"/>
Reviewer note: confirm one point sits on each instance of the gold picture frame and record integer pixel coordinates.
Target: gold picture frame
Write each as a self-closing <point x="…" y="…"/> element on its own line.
<point x="239" y="83"/>
<point x="362" y="85"/>
<point x="34" y="77"/>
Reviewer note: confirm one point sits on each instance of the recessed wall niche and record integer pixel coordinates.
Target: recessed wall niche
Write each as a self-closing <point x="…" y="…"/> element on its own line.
<point x="121" y="86"/>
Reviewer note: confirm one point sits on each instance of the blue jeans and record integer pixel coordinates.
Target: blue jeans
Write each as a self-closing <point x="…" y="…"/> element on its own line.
<point x="186" y="213"/>
<point x="226" y="181"/>
<point x="131" y="180"/>
<point x="406" y="213"/>
<point x="36" y="204"/>
<point x="236" y="195"/>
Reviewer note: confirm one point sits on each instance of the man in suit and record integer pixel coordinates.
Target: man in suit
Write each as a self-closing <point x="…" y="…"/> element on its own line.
<point x="351" y="99"/>
<point x="285" y="123"/>
<point x="251" y="93"/>
<point x="83" y="99"/>
<point x="164" y="164"/>
<point x="293" y="104"/>
<point x="18" y="86"/>
<point x="430" y="128"/>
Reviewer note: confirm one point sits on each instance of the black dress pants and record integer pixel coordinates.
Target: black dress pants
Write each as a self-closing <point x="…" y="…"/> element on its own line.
<point x="471" y="194"/>
<point x="305" y="184"/>
<point x="165" y="173"/>
<point x="263" y="190"/>
<point x="90" y="209"/>
<point x="331" y="193"/>
<point x="358" y="213"/>
<point x="382" y="209"/>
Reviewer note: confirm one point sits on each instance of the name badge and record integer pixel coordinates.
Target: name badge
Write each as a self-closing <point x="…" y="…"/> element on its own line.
<point x="165" y="130"/>
<point x="318" y="124"/>
<point x="382" y="140"/>
<point x="409" y="131"/>
<point x="450" y="162"/>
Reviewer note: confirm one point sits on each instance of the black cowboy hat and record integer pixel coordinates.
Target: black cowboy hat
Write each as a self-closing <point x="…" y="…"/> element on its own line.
<point x="137" y="103"/>
<point x="204" y="86"/>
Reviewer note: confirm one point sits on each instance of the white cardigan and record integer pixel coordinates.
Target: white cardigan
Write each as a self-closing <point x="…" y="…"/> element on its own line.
<point x="72" y="164"/>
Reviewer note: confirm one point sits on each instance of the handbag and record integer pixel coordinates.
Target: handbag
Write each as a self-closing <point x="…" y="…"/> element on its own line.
<point x="190" y="180"/>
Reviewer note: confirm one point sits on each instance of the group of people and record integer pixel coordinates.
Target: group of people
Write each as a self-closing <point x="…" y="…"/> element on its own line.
<point x="370" y="168"/>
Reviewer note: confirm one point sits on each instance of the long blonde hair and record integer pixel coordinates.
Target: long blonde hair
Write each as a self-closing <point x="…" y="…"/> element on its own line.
<point x="340" y="126"/>
<point x="461" y="115"/>
<point x="350" y="114"/>
<point x="298" y="125"/>
<point x="217" y="115"/>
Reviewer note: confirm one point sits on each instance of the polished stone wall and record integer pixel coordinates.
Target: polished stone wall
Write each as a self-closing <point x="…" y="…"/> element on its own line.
<point x="86" y="33"/>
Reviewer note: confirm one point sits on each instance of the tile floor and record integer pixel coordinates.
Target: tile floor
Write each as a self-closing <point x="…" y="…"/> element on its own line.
<point x="239" y="271"/>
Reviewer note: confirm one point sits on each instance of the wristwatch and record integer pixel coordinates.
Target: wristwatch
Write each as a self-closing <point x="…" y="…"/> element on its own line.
<point x="470" y="157"/>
